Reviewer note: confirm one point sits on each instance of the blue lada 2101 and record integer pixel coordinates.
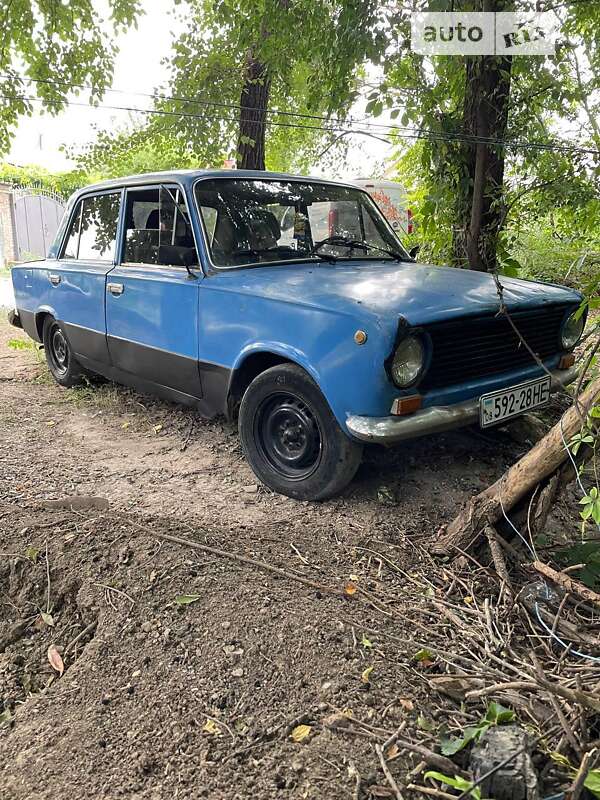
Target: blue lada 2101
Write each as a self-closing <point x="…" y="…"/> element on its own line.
<point x="290" y="304"/>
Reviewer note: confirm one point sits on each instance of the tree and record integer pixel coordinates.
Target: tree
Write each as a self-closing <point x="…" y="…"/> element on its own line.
<point x="240" y="67"/>
<point x="58" y="44"/>
<point x="485" y="115"/>
<point x="473" y="186"/>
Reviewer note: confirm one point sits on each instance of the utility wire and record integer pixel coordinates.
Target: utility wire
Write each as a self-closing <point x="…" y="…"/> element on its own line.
<point x="176" y="98"/>
<point x="410" y="132"/>
<point x="406" y="133"/>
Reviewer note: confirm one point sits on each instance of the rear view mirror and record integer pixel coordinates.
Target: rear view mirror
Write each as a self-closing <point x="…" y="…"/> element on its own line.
<point x="414" y="251"/>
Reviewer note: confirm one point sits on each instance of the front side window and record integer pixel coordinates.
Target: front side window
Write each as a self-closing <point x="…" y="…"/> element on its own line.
<point x="92" y="235"/>
<point x="263" y="221"/>
<point x="158" y="229"/>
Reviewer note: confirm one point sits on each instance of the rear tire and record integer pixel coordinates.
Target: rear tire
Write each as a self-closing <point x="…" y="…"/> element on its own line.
<point x="291" y="439"/>
<point x="63" y="366"/>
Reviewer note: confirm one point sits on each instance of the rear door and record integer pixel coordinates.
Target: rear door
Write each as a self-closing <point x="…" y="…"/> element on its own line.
<point x="74" y="284"/>
<point x="152" y="294"/>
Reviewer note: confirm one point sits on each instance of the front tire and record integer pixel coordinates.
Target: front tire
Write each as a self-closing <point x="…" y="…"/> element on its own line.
<point x="291" y="439"/>
<point x="63" y="366"/>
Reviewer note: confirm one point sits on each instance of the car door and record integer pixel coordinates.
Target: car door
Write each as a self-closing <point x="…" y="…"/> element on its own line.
<point x="75" y="283"/>
<point x="152" y="294"/>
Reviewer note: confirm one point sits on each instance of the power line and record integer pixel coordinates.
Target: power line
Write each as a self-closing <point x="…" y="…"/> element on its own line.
<point x="405" y="133"/>
<point x="400" y="130"/>
<point x="175" y="98"/>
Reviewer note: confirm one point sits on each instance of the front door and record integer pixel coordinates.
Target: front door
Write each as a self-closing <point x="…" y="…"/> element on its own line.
<point x="152" y="295"/>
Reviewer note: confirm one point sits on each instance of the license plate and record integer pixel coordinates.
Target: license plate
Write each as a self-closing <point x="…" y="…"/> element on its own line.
<point x="497" y="406"/>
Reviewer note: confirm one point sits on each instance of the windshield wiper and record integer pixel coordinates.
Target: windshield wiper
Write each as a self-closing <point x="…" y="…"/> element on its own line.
<point x="355" y="244"/>
<point x="296" y="255"/>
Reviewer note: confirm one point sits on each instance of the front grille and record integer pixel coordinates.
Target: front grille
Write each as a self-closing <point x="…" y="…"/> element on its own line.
<point x="482" y="346"/>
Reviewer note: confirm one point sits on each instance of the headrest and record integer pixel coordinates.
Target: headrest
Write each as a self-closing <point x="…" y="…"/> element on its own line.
<point x="263" y="224"/>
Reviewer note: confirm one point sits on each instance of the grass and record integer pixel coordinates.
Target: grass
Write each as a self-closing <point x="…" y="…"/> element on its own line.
<point x="21" y="344"/>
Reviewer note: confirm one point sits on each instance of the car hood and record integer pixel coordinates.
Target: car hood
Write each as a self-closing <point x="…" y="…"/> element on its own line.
<point x="420" y="293"/>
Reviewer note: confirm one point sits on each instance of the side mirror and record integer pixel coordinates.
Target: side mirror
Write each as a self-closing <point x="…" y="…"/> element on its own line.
<point x="414" y="251"/>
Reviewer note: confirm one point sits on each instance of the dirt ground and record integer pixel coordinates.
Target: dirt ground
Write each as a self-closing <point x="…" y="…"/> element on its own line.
<point x="167" y="699"/>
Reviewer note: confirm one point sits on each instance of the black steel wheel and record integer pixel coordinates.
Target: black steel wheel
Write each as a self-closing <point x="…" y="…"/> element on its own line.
<point x="58" y="351"/>
<point x="288" y="436"/>
<point x="291" y="439"/>
<point x="59" y="356"/>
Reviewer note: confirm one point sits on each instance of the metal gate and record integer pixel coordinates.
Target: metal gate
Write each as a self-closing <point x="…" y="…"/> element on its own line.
<point x="37" y="215"/>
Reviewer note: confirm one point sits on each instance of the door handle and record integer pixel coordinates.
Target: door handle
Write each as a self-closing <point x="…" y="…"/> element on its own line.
<point x="54" y="279"/>
<point x="115" y="288"/>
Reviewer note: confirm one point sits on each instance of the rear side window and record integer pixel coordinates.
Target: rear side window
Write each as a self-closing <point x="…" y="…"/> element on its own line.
<point x="92" y="235"/>
<point x="158" y="229"/>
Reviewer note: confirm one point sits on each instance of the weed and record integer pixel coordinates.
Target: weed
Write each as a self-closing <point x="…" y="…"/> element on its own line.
<point x="495" y="715"/>
<point x="21" y="344"/>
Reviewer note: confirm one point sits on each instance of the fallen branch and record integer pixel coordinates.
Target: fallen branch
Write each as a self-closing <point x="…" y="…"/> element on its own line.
<point x="442" y="763"/>
<point x="535" y="466"/>
<point x="566" y="582"/>
<point x="498" y="559"/>
<point x="576" y="788"/>
<point x="501" y="687"/>
<point x="414" y="787"/>
<point x="215" y="551"/>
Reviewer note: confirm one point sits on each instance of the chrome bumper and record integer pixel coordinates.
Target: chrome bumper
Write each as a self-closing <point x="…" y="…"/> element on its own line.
<point x="389" y="430"/>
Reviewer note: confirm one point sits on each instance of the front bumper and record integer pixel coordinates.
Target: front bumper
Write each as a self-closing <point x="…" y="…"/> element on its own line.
<point x="389" y="430"/>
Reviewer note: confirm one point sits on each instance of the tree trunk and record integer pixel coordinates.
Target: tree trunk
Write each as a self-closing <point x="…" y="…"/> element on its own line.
<point x="253" y="115"/>
<point x="535" y="466"/>
<point x="485" y="115"/>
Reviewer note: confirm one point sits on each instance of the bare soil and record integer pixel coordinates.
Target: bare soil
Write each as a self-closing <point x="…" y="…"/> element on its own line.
<point x="160" y="699"/>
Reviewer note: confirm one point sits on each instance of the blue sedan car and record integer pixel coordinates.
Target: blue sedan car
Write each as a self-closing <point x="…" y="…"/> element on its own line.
<point x="290" y="304"/>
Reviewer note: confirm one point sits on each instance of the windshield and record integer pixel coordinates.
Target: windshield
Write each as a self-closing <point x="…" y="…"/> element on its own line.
<point x="254" y="221"/>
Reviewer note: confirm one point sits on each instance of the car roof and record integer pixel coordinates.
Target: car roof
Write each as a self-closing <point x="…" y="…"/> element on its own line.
<point x="190" y="176"/>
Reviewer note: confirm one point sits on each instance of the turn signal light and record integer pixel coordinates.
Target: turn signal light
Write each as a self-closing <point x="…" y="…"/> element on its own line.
<point x="407" y="405"/>
<point x="566" y="361"/>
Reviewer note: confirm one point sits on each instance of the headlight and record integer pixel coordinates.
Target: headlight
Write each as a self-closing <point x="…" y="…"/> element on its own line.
<point x="572" y="330"/>
<point x="409" y="360"/>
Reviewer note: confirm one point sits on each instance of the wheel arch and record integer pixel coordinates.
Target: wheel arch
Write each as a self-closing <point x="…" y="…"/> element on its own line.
<point x="40" y="318"/>
<point x="254" y="362"/>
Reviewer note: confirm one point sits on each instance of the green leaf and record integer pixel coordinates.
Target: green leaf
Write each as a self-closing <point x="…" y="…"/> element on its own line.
<point x="592" y="782"/>
<point x="186" y="599"/>
<point x="424" y="724"/>
<point x="498" y="715"/>
<point x="456" y="782"/>
<point x="366" y="642"/>
<point x="48" y="619"/>
<point x="451" y="745"/>
<point x="32" y="554"/>
<point x="424" y="655"/>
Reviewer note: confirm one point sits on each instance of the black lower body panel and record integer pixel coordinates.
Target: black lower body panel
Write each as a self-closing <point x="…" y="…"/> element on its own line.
<point x="186" y="391"/>
<point x="86" y="342"/>
<point x="180" y="373"/>
<point x="14" y="319"/>
<point x="149" y="370"/>
<point x="27" y="319"/>
<point x="144" y="386"/>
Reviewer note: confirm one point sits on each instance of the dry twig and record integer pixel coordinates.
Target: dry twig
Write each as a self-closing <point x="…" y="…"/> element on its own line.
<point x="566" y="582"/>
<point x="388" y="775"/>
